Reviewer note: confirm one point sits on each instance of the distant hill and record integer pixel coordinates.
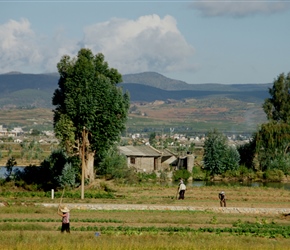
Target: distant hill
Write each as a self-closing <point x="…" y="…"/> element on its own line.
<point x="27" y="90"/>
<point x="156" y="80"/>
<point x="36" y="90"/>
<point x="145" y="93"/>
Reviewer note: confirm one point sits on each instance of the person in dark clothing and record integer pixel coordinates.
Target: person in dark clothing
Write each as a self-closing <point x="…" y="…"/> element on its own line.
<point x="222" y="198"/>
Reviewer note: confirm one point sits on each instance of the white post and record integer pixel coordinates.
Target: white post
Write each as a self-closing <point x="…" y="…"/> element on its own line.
<point x="52" y="194"/>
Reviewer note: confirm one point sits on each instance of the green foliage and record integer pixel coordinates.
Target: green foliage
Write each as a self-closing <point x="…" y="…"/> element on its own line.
<point x="11" y="162"/>
<point x="247" y="154"/>
<point x="89" y="99"/>
<point x="274" y="175"/>
<point x="65" y="132"/>
<point x="152" y="139"/>
<point x="30" y="150"/>
<point x="182" y="173"/>
<point x="273" y="138"/>
<point x="198" y="174"/>
<point x="272" y="142"/>
<point x="281" y="162"/>
<point x="277" y="107"/>
<point x="22" y="227"/>
<point x="113" y="165"/>
<point x="163" y="177"/>
<point x="55" y="171"/>
<point x="68" y="194"/>
<point x="233" y="158"/>
<point x="35" y="132"/>
<point x="214" y="152"/>
<point x="68" y="176"/>
<point x="242" y="173"/>
<point x="145" y="177"/>
<point x="218" y="156"/>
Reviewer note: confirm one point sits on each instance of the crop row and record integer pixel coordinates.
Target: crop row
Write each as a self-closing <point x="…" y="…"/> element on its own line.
<point x="57" y="220"/>
<point x="250" y="231"/>
<point x="270" y="230"/>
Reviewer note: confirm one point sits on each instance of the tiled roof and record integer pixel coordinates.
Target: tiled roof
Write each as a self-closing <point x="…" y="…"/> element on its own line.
<point x="139" y="151"/>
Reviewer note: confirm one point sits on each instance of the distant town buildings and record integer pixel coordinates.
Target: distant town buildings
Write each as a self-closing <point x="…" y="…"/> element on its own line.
<point x="14" y="132"/>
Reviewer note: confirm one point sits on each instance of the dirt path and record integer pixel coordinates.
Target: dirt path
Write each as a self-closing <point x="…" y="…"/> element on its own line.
<point x="90" y="206"/>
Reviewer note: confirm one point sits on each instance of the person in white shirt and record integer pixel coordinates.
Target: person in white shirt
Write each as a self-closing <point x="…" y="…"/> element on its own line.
<point x="181" y="189"/>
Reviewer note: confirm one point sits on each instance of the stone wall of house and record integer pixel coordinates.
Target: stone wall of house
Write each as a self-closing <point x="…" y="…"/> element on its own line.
<point x="144" y="164"/>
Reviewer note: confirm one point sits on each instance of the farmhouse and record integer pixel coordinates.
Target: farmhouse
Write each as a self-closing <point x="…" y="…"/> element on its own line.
<point x="148" y="159"/>
<point x="142" y="158"/>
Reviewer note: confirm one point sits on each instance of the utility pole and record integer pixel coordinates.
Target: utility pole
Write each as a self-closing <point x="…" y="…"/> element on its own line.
<point x="83" y="165"/>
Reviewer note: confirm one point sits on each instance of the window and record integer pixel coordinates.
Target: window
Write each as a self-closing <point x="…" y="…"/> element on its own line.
<point x="132" y="160"/>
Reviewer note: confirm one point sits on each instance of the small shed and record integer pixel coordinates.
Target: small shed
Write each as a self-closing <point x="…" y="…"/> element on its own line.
<point x="167" y="158"/>
<point x="184" y="162"/>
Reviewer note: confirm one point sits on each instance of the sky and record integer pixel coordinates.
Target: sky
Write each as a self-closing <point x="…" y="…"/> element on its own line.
<point x="227" y="42"/>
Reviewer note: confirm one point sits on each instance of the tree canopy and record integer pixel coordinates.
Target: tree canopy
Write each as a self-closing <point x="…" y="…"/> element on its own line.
<point x="277" y="107"/>
<point x="91" y="110"/>
<point x="218" y="155"/>
<point x="273" y="138"/>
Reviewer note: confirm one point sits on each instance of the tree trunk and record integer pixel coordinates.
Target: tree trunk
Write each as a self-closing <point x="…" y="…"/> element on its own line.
<point x="87" y="157"/>
<point x="89" y="166"/>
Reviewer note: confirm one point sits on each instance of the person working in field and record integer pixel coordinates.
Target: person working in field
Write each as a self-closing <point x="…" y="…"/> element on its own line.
<point x="64" y="213"/>
<point x="222" y="198"/>
<point x="181" y="189"/>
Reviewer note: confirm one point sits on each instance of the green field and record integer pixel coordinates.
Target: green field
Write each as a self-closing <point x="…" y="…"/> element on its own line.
<point x="25" y="224"/>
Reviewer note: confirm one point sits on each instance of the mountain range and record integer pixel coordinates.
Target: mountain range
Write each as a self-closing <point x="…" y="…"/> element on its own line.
<point x="36" y="90"/>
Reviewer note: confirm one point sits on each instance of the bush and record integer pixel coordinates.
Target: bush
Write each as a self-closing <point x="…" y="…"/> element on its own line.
<point x="274" y="175"/>
<point x="55" y="171"/>
<point x="163" y="176"/>
<point x="182" y="173"/>
<point x="113" y="165"/>
<point x="198" y="174"/>
<point x="145" y="177"/>
<point x="281" y="162"/>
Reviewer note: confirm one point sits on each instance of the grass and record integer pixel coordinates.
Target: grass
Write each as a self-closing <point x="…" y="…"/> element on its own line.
<point x="144" y="193"/>
<point x="85" y="240"/>
<point x="133" y="230"/>
<point x="24" y="225"/>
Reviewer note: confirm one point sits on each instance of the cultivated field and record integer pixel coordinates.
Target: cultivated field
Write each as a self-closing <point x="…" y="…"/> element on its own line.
<point x="25" y="224"/>
<point x="198" y="115"/>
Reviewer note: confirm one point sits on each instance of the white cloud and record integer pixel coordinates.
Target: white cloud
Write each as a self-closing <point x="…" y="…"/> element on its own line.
<point x="149" y="43"/>
<point x="238" y="8"/>
<point x="23" y="50"/>
<point x="17" y="42"/>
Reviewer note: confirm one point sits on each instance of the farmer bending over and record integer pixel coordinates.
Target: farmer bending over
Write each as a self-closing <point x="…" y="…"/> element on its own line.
<point x="222" y="197"/>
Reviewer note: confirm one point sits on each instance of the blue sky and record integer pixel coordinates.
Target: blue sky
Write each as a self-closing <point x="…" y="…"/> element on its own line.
<point x="226" y="42"/>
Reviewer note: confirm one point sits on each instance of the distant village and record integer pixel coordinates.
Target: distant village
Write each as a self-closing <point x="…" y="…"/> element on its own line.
<point x="18" y="135"/>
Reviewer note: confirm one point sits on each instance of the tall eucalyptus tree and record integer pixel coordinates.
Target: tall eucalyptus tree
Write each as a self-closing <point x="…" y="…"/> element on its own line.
<point x="91" y="110"/>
